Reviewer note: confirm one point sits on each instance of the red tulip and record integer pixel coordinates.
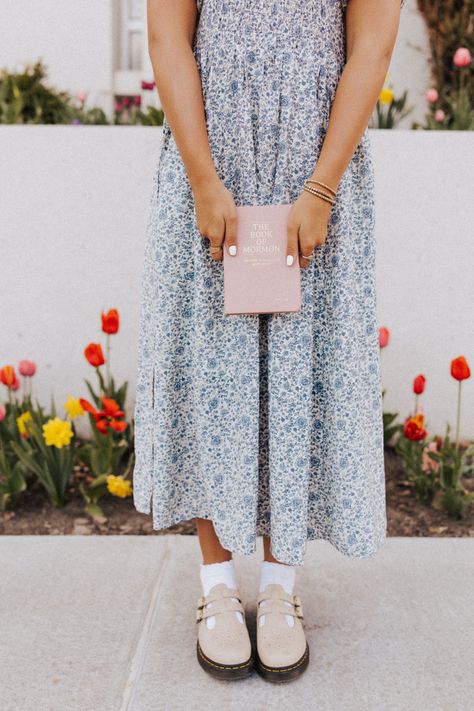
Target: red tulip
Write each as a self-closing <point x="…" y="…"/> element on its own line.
<point x="27" y="368"/>
<point x="419" y="384"/>
<point x="101" y="426"/>
<point x="118" y="425"/>
<point x="414" y="428"/>
<point x="107" y="417"/>
<point x="87" y="406"/>
<point x="110" y="321"/>
<point x="3" y="412"/>
<point x="8" y="376"/>
<point x="111" y="408"/>
<point x="138" y="100"/>
<point x="384" y="337"/>
<point x="460" y="369"/>
<point x="16" y="384"/>
<point x="94" y="354"/>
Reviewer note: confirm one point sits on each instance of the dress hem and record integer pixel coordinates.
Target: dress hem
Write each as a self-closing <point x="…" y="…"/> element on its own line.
<point x="251" y="548"/>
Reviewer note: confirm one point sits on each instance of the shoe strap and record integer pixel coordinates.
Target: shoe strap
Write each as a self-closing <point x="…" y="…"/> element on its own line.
<point x="218" y="607"/>
<point x="275" y="602"/>
<point x="275" y="592"/>
<point x="219" y="593"/>
<point x="277" y="606"/>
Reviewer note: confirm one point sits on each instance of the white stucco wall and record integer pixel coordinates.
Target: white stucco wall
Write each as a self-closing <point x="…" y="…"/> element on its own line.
<point x="73" y="210"/>
<point x="76" y="40"/>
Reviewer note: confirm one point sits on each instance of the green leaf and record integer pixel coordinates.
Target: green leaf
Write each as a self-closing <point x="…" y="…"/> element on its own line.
<point x="17" y="482"/>
<point x="96" y="513"/>
<point x="93" y="394"/>
<point x="99" y="481"/>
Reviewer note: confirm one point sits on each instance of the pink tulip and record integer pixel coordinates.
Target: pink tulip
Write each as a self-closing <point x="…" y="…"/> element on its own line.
<point x="27" y="368"/>
<point x="440" y="116"/>
<point x="138" y="101"/>
<point x="432" y="96"/>
<point x="118" y="108"/>
<point x="147" y="85"/>
<point x="126" y="102"/>
<point x="3" y="412"/>
<point x="462" y="57"/>
<point x="81" y="96"/>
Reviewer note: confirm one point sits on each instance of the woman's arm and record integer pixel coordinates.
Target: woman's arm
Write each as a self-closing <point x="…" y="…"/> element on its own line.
<point x="171" y="27"/>
<point x="371" y="31"/>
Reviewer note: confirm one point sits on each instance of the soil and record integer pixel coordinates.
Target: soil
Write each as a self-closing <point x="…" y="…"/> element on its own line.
<point x="34" y="515"/>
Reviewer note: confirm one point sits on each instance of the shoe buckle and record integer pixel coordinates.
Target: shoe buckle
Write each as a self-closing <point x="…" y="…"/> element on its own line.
<point x="298" y="606"/>
<point x="200" y="608"/>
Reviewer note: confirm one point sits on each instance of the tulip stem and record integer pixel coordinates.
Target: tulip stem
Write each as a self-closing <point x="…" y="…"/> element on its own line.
<point x="107" y="348"/>
<point x="458" y="416"/>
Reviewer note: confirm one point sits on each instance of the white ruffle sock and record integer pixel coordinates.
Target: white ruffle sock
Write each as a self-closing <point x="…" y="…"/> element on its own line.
<point x="277" y="574"/>
<point x="214" y="573"/>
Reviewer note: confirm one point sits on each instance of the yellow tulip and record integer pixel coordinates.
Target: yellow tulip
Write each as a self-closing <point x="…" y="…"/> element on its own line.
<point x="118" y="486"/>
<point x="73" y="407"/>
<point x="386" y="95"/>
<point x="21" y="422"/>
<point x="57" y="433"/>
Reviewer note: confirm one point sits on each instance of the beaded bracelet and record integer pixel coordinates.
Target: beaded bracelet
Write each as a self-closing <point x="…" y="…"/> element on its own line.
<point x="318" y="182"/>
<point x="319" y="193"/>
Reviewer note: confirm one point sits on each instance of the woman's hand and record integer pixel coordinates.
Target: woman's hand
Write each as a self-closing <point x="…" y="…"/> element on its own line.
<point x="216" y="217"/>
<point x="307" y="226"/>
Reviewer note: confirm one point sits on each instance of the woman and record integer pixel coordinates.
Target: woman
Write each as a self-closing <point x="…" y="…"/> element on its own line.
<point x="264" y="424"/>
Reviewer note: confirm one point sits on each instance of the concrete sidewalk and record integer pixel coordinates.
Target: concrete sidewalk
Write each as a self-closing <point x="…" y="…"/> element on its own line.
<point x="89" y="624"/>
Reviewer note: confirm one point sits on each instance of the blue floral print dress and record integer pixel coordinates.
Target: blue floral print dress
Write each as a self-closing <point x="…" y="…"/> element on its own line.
<point x="266" y="424"/>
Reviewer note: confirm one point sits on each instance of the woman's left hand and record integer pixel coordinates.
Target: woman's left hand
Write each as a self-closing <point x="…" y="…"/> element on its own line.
<point x="307" y="226"/>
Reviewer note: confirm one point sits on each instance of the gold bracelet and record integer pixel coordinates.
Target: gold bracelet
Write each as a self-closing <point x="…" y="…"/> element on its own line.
<point x="318" y="182"/>
<point x="320" y="194"/>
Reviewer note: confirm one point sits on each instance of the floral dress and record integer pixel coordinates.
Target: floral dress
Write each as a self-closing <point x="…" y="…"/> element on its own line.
<point x="270" y="423"/>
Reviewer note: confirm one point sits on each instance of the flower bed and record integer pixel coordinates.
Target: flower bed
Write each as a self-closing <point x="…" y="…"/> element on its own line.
<point x="44" y="465"/>
<point x="435" y="466"/>
<point x="41" y="449"/>
<point x="34" y="515"/>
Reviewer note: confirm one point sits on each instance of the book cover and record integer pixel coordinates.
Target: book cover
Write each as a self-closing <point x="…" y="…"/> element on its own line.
<point x="257" y="280"/>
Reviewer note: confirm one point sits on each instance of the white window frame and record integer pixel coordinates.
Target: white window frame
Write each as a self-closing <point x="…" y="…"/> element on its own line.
<point x="128" y="25"/>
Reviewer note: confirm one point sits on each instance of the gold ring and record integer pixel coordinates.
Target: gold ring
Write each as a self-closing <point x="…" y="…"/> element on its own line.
<point x="309" y="257"/>
<point x="215" y="249"/>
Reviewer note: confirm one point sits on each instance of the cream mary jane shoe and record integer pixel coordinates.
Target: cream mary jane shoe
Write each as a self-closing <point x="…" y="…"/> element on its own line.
<point x="282" y="650"/>
<point x="224" y="650"/>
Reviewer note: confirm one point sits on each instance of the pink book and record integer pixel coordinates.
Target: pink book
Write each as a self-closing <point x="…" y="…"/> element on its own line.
<point x="257" y="280"/>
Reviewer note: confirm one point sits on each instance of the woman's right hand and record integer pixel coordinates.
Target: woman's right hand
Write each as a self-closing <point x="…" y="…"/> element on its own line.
<point x="216" y="217"/>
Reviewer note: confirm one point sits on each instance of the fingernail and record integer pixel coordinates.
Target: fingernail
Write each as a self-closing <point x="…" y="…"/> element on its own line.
<point x="289" y="260"/>
<point x="232" y="250"/>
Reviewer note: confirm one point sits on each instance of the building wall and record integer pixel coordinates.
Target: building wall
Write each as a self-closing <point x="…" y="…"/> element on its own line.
<point x="78" y="42"/>
<point x="74" y="39"/>
<point x="74" y="206"/>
